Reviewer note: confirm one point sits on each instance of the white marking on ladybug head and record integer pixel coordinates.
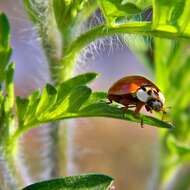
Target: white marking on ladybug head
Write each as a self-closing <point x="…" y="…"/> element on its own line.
<point x="161" y="97"/>
<point x="142" y="95"/>
<point x="155" y="105"/>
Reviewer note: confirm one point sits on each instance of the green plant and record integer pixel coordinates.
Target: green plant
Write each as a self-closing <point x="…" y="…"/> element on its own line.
<point x="57" y="22"/>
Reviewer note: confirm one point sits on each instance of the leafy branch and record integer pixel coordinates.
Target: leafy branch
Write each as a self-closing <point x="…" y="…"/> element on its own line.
<point x="73" y="99"/>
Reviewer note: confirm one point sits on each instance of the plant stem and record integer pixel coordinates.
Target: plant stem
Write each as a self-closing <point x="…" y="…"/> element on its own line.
<point x="141" y="28"/>
<point x="61" y="66"/>
<point x="10" y="170"/>
<point x="9" y="181"/>
<point x="166" y="165"/>
<point x="181" y="180"/>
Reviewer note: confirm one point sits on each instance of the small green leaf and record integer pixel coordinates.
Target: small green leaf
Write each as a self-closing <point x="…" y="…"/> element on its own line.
<point x="47" y="100"/>
<point x="70" y="104"/>
<point x="66" y="87"/>
<point x="54" y="102"/>
<point x="31" y="109"/>
<point x="81" y="182"/>
<point x="77" y="98"/>
<point x="96" y="97"/>
<point x="70" y="14"/>
<point x="116" y="10"/>
<point x="61" y="10"/>
<point x="9" y="84"/>
<point x="21" y="108"/>
<point x="5" y="49"/>
<point x="4" y="31"/>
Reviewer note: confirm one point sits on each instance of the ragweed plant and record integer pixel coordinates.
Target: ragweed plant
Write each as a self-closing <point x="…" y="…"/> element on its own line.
<point x="59" y="23"/>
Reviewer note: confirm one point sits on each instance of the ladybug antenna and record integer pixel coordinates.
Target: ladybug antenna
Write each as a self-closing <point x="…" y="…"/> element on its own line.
<point x="163" y="114"/>
<point x="169" y="107"/>
<point x="164" y="111"/>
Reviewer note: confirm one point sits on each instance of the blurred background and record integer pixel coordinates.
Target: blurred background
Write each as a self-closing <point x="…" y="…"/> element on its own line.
<point x="118" y="148"/>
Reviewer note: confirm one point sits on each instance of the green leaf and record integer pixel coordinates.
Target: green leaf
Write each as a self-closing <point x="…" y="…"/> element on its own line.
<point x="150" y="28"/>
<point x="34" y="99"/>
<point x="4" y="31"/>
<point x="5" y="49"/>
<point x="69" y="15"/>
<point x="172" y="16"/>
<point x="114" y="10"/>
<point x="47" y="100"/>
<point x="96" y="97"/>
<point x="66" y="87"/>
<point x="21" y="108"/>
<point x="70" y="104"/>
<point x="54" y="102"/>
<point x="101" y="109"/>
<point x="9" y="84"/>
<point x="105" y="110"/>
<point x="67" y="11"/>
<point x="77" y="98"/>
<point x="81" y="182"/>
<point x="62" y="9"/>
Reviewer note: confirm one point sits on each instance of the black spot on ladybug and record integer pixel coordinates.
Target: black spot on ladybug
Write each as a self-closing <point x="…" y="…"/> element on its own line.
<point x="155" y="92"/>
<point x="149" y="92"/>
<point x="143" y="88"/>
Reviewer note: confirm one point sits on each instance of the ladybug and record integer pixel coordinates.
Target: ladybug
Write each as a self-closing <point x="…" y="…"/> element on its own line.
<point x="137" y="91"/>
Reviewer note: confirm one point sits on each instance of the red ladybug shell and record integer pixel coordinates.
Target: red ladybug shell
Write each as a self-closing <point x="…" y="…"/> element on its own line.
<point x="130" y="84"/>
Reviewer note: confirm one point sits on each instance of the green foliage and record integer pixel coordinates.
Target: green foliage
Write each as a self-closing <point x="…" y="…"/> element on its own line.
<point x="81" y="182"/>
<point x="69" y="15"/>
<point x="4" y="31"/>
<point x="6" y="79"/>
<point x="73" y="98"/>
<point x="67" y="11"/>
<point x="114" y="10"/>
<point x="172" y="74"/>
<point x="169" y="18"/>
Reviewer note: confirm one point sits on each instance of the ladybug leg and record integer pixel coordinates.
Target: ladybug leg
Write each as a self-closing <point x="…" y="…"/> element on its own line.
<point x="125" y="108"/>
<point x="142" y="123"/>
<point x="109" y="101"/>
<point x="139" y="107"/>
<point x="163" y="114"/>
<point x="137" y="110"/>
<point x="148" y="109"/>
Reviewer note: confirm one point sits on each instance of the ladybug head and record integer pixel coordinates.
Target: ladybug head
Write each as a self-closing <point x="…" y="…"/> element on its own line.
<point x="155" y="105"/>
<point x="152" y="97"/>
